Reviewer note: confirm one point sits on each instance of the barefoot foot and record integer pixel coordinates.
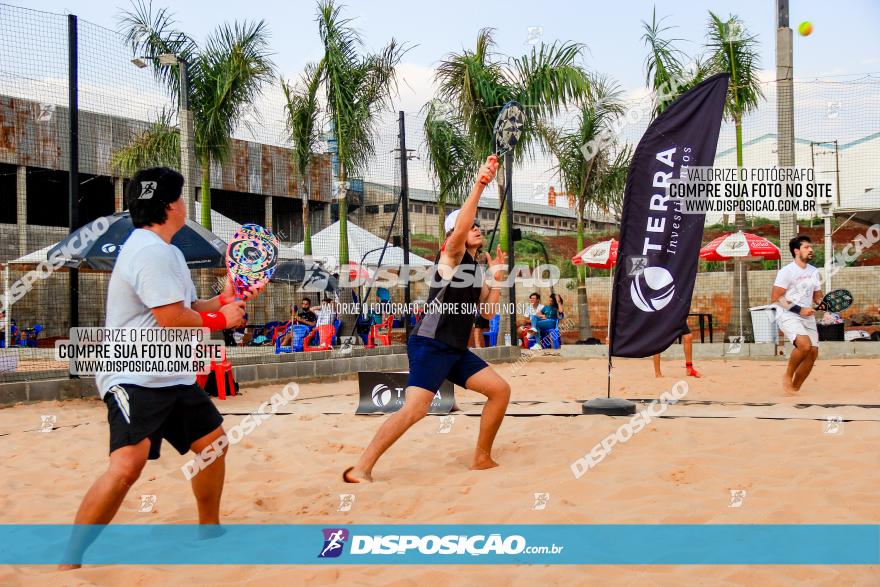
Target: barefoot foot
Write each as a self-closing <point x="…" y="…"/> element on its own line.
<point x="352" y="475"/>
<point x="787" y="386"/>
<point x="68" y="567"/>
<point x="482" y="461"/>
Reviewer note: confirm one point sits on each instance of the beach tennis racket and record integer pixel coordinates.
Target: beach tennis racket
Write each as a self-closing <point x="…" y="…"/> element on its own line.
<point x="836" y="301"/>
<point x="251" y="257"/>
<point x="507" y="132"/>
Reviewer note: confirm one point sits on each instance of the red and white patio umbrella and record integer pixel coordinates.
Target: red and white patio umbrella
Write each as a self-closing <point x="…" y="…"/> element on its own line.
<point x="739" y="244"/>
<point x="601" y="255"/>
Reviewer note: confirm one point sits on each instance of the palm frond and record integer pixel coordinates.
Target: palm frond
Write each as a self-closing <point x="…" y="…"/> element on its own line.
<point x="734" y="51"/>
<point x="664" y="66"/>
<point x="582" y="171"/>
<point x="550" y="77"/>
<point x="357" y="87"/>
<point x="476" y="83"/>
<point x="233" y="68"/>
<point x="450" y="155"/>
<point x="302" y="111"/>
<point x="156" y="146"/>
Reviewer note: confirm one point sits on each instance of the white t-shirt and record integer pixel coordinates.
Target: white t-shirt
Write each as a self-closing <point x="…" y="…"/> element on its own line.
<point x="799" y="283"/>
<point x="533" y="310"/>
<point x="148" y="273"/>
<point x="325" y="315"/>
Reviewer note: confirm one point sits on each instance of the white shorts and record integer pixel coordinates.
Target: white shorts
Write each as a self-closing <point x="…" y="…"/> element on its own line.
<point x="793" y="326"/>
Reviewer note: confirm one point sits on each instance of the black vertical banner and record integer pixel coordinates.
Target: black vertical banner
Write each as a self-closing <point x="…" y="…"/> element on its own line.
<point x="659" y="246"/>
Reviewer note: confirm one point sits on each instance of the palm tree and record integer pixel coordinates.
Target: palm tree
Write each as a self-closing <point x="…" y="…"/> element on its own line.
<point x="735" y="52"/>
<point x="450" y="158"/>
<point x="358" y="87"/>
<point x="302" y="109"/>
<point x="666" y="71"/>
<point x="224" y="76"/>
<point x="478" y="83"/>
<point x="596" y="176"/>
<point x="157" y="145"/>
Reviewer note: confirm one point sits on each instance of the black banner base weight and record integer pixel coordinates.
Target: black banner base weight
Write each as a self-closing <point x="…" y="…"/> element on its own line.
<point x="609" y="406"/>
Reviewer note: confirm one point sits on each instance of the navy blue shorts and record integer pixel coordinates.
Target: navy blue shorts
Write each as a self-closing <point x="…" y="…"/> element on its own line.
<point x="432" y="361"/>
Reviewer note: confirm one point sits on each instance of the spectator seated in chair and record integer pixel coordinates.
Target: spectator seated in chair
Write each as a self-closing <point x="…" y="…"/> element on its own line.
<point x="238" y="336"/>
<point x="546" y="318"/>
<point x="304" y="316"/>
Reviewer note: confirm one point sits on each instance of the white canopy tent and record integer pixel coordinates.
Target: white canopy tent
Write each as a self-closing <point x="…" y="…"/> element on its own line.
<point x="361" y="242"/>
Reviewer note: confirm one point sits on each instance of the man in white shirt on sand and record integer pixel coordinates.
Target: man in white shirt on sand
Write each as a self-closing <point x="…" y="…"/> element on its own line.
<point x="795" y="291"/>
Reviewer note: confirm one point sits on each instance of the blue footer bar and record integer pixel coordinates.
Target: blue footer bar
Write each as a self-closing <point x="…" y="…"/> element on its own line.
<point x="276" y="544"/>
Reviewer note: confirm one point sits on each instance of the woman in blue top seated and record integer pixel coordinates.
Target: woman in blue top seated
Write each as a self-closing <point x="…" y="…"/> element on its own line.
<point x="547" y="317"/>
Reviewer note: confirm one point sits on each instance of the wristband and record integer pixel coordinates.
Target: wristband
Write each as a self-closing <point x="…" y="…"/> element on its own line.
<point x="795" y="308"/>
<point x="213" y="320"/>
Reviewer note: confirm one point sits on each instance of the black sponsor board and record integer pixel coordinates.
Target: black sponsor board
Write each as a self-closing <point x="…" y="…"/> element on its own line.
<point x="385" y="392"/>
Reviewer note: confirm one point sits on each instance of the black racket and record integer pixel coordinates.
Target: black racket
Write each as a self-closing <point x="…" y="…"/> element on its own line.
<point x="508" y="130"/>
<point x="836" y="301"/>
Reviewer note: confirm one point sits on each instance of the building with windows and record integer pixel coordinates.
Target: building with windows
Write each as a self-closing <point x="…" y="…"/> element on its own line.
<point x="533" y="217"/>
<point x="256" y="184"/>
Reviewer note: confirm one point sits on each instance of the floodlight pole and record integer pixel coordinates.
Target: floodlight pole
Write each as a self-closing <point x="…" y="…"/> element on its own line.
<point x="187" y="141"/>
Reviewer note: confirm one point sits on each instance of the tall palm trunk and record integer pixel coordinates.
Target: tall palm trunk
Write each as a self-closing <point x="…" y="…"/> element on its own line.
<point x="307" y="231"/>
<point x="206" y="193"/>
<point x="585" y="331"/>
<point x="343" y="219"/>
<point x="441" y="219"/>
<point x="740" y="319"/>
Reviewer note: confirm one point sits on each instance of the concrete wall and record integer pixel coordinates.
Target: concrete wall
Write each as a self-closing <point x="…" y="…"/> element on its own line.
<point x="291" y="367"/>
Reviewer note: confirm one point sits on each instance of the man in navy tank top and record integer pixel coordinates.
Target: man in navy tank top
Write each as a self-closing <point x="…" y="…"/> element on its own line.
<point x="438" y="346"/>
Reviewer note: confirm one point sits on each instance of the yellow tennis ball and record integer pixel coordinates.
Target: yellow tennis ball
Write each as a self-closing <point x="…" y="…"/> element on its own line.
<point x="805" y="28"/>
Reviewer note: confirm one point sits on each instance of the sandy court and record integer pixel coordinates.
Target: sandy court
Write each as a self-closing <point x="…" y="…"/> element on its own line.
<point x="734" y="430"/>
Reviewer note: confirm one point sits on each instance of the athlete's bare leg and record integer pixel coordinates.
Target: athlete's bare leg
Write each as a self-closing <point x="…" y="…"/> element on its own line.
<point x="656" y="359"/>
<point x="687" y="341"/>
<point x="415" y="407"/>
<point x="802" y="346"/>
<point x="207" y="486"/>
<point x="104" y="497"/>
<point x="497" y="392"/>
<point x="803" y="371"/>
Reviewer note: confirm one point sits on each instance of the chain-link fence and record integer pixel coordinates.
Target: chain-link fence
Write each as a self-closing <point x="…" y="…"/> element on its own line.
<point x="123" y="105"/>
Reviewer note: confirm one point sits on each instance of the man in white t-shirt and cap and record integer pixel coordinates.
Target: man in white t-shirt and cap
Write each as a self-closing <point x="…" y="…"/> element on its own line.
<point x="151" y="287"/>
<point x="796" y="290"/>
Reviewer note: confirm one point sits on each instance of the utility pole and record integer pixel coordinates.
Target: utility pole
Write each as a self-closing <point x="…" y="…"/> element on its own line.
<point x="785" y="108"/>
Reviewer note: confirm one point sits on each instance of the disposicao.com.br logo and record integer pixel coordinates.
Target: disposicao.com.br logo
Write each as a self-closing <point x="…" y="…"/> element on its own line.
<point x="430" y="544"/>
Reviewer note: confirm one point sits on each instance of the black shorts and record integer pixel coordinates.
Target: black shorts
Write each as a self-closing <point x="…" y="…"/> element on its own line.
<point x="480" y="322"/>
<point x="181" y="414"/>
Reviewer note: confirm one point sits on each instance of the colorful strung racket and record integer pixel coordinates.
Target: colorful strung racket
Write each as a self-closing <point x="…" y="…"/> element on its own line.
<point x="251" y="256"/>
<point x="836" y="301"/>
<point x="508" y="130"/>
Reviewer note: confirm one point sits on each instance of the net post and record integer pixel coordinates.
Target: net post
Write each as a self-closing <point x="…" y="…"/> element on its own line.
<point x="73" y="175"/>
<point x="404" y="202"/>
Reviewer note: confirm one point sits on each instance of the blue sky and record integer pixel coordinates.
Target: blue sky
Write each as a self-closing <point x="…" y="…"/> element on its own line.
<point x="845" y="38"/>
